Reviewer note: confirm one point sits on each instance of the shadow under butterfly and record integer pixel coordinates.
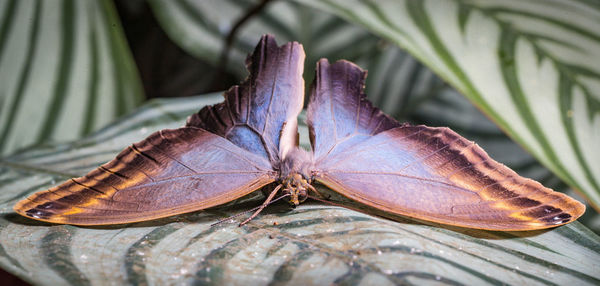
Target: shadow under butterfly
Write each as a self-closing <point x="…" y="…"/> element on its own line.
<point x="250" y="140"/>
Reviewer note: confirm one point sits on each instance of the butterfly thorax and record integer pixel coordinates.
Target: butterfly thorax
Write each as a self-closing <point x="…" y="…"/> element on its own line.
<point x="295" y="175"/>
<point x="297" y="187"/>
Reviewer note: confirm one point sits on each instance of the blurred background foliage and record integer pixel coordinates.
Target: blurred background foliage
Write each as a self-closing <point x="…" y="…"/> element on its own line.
<point x="88" y="63"/>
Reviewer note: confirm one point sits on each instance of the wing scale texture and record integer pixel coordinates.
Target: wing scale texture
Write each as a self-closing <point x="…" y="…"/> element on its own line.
<point x="428" y="173"/>
<point x="254" y="113"/>
<point x="170" y="172"/>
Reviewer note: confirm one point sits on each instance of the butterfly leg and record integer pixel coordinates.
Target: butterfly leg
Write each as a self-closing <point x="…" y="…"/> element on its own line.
<point x="266" y="203"/>
<point x="310" y="187"/>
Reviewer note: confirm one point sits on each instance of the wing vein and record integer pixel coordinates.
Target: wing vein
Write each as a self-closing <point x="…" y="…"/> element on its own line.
<point x="401" y="175"/>
<point x="241" y="157"/>
<point x="171" y="157"/>
<point x="360" y="150"/>
<point x="421" y="159"/>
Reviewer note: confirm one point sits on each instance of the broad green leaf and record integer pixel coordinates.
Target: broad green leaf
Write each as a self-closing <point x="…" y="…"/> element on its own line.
<point x="66" y="71"/>
<point x="533" y="67"/>
<point x="312" y="244"/>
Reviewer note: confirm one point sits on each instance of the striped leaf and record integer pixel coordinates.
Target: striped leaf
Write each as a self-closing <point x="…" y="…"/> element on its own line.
<point x="201" y="28"/>
<point x="312" y="244"/>
<point x="66" y="71"/>
<point x="533" y="67"/>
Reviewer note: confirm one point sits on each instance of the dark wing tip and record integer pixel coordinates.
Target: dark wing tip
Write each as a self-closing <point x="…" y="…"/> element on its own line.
<point x="268" y="45"/>
<point x="341" y="65"/>
<point x="45" y="211"/>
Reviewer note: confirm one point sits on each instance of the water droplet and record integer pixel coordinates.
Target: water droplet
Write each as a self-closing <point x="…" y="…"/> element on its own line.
<point x="438" y="278"/>
<point x="379" y="252"/>
<point x="441" y="252"/>
<point x="143" y="130"/>
<point x="569" y="113"/>
<point x="140" y="253"/>
<point x="388" y="271"/>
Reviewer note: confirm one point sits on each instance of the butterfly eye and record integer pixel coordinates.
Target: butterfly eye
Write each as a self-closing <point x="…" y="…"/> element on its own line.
<point x="302" y="195"/>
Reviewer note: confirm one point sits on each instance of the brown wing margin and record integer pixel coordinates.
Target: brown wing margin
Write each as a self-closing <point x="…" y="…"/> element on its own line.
<point x="170" y="172"/>
<point x="435" y="174"/>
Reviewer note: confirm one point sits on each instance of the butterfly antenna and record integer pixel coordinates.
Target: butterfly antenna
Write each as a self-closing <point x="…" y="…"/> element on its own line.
<point x="233" y="216"/>
<point x="266" y="203"/>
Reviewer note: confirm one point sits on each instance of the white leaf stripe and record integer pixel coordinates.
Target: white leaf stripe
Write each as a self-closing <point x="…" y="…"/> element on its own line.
<point x="65" y="63"/>
<point x="61" y="83"/>
<point x="8" y="122"/>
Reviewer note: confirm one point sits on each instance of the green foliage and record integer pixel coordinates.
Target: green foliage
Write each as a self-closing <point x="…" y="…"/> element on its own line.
<point x="66" y="71"/>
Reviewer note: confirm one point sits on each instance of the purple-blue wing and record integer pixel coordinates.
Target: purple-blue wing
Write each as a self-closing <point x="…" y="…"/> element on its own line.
<point x="435" y="174"/>
<point x="339" y="115"/>
<point x="428" y="173"/>
<point x="254" y="113"/>
<point x="170" y="172"/>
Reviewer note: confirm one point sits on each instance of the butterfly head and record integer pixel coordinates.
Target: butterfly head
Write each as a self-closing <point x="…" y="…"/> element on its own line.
<point x="297" y="186"/>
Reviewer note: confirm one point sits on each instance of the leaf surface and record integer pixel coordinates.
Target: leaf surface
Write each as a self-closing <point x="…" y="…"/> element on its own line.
<point x="312" y="243"/>
<point x="66" y="71"/>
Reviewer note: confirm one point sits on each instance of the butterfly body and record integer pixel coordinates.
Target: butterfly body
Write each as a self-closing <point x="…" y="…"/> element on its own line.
<point x="250" y="140"/>
<point x="295" y="175"/>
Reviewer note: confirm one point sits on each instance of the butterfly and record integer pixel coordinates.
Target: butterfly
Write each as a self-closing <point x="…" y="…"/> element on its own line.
<point x="228" y="150"/>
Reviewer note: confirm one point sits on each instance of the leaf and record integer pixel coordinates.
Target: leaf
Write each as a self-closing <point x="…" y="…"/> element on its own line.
<point x="201" y="28"/>
<point x="66" y="71"/>
<point x="314" y="243"/>
<point x="531" y="67"/>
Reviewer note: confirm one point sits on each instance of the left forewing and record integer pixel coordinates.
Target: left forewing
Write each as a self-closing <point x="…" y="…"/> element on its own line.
<point x="170" y="172"/>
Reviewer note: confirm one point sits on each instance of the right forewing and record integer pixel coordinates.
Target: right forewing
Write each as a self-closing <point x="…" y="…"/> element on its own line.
<point x="435" y="174"/>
